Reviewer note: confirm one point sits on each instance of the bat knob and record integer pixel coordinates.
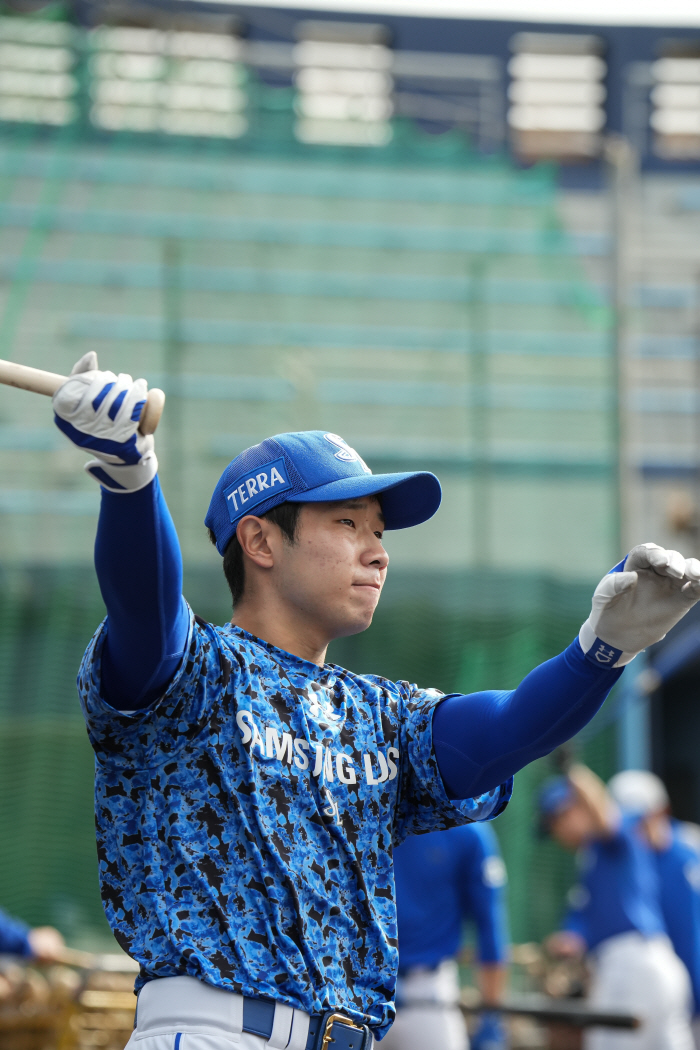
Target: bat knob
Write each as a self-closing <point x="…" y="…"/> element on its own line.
<point x="152" y="411"/>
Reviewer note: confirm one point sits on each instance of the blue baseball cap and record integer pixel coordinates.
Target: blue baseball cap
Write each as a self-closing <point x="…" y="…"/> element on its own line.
<point x="313" y="466"/>
<point x="555" y="795"/>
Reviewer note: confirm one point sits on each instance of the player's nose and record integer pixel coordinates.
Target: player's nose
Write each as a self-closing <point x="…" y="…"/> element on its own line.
<point x="375" y="554"/>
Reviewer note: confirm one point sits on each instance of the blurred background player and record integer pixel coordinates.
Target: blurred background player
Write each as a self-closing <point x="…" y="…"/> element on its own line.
<point x="675" y="847"/>
<point x="443" y="880"/>
<point x="42" y="943"/>
<point x="616" y="917"/>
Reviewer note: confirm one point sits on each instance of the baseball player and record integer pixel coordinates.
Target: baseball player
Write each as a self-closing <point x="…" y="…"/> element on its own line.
<point x="249" y="794"/>
<point x="616" y="916"/>
<point x="444" y="879"/>
<point x="42" y="944"/>
<point x="675" y="847"/>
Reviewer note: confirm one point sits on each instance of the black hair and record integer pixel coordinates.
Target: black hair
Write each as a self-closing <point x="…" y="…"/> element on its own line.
<point x="285" y="516"/>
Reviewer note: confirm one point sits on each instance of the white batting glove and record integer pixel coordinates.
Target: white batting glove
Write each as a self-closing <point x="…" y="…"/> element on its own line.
<point x="100" y="411"/>
<point x="637" y="606"/>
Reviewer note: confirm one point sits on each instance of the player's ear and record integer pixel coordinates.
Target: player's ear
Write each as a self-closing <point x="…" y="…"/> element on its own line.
<point x="253" y="537"/>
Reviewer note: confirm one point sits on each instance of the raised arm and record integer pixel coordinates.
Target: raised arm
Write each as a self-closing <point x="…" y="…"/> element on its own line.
<point x="139" y="568"/>
<point x="137" y="555"/>
<point x="482" y="739"/>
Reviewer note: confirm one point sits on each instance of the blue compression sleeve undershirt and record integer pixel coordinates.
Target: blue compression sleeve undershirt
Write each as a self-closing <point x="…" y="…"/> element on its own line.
<point x="482" y="739"/>
<point x="139" y="568"/>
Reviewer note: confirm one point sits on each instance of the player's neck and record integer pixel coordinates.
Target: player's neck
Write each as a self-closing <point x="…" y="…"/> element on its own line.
<point x="285" y="629"/>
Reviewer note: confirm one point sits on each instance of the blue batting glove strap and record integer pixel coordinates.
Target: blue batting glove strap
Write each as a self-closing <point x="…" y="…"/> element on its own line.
<point x="491" y="1033"/>
<point x="128" y="478"/>
<point x="100" y="412"/>
<point x="603" y="655"/>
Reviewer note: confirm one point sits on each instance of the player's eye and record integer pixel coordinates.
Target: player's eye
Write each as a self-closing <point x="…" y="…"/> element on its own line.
<point x="347" y="521"/>
<point x="379" y="535"/>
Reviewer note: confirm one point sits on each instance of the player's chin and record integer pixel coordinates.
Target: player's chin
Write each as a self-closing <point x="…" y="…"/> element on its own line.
<point x="358" y="614"/>
<point x="365" y="598"/>
<point x="353" y="626"/>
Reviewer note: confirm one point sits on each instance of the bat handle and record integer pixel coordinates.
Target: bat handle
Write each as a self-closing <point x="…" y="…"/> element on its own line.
<point x="152" y="411"/>
<point x="41" y="382"/>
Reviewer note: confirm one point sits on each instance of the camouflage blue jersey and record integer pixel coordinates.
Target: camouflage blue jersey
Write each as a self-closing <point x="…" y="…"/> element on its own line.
<point x="245" y="822"/>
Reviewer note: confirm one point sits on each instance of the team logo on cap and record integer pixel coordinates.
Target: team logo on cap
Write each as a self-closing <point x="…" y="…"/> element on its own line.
<point x="255" y="486"/>
<point x="345" y="452"/>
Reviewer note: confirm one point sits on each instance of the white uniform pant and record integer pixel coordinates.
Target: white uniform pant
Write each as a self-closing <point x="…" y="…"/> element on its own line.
<point x="645" y="977"/>
<point x="182" y="1013"/>
<point x="434" y="1023"/>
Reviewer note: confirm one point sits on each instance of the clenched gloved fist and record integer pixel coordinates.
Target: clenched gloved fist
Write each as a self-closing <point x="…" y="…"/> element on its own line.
<point x="638" y="602"/>
<point x="100" y="411"/>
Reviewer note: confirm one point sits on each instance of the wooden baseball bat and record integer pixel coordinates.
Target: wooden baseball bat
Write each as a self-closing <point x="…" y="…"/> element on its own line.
<point x="40" y="382"/>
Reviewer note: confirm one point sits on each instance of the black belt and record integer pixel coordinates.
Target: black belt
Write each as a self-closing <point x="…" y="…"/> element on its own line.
<point x="324" y="1029"/>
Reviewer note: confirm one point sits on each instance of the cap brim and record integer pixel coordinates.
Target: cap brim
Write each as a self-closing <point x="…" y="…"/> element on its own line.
<point x="408" y="499"/>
